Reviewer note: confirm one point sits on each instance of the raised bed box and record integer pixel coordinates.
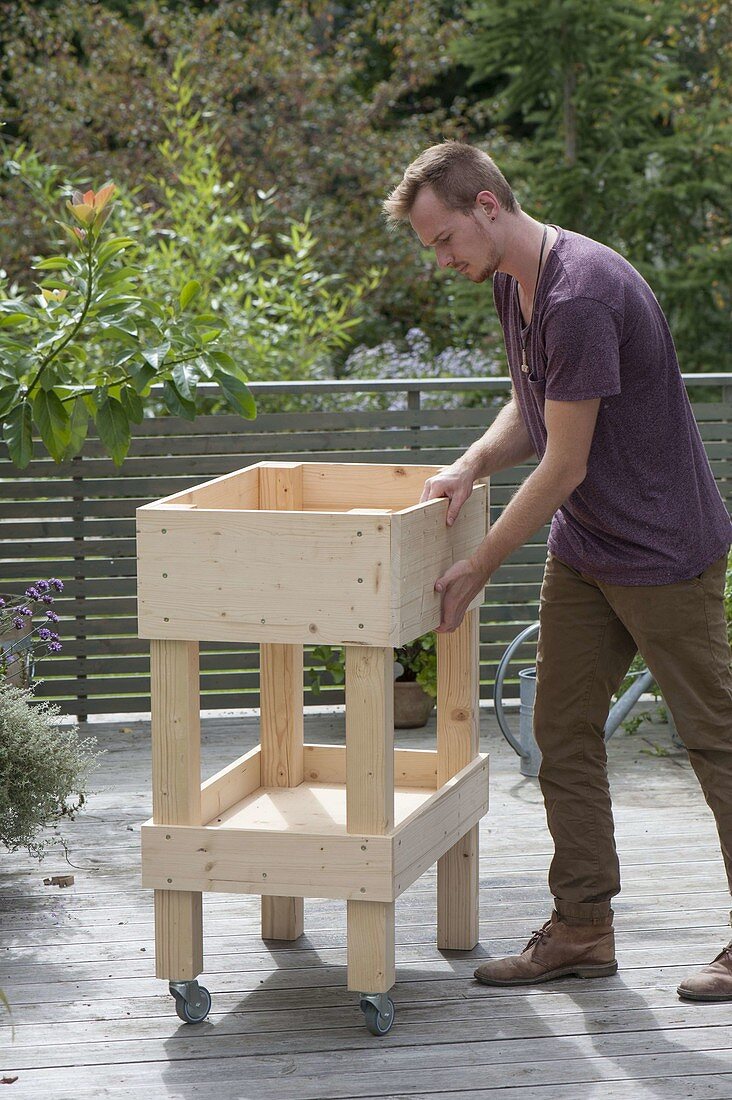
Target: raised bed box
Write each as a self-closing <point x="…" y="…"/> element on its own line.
<point x="287" y="554"/>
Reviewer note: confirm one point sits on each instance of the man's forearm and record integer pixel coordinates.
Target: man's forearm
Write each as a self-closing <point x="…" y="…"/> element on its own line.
<point x="545" y="490"/>
<point x="505" y="444"/>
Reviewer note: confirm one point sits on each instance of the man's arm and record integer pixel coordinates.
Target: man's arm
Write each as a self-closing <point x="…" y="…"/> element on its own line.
<point x="505" y="444"/>
<point x="570" y="428"/>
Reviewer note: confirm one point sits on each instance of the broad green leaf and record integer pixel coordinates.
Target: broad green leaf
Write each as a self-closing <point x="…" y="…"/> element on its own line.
<point x="237" y="394"/>
<point x="189" y="292"/>
<point x="176" y="403"/>
<point x="132" y="404"/>
<point x="53" y="422"/>
<point x="18" y="434"/>
<point x="8" y="397"/>
<point x="16" y="305"/>
<point x="128" y="339"/>
<point x="185" y="378"/>
<point x="212" y="334"/>
<point x="54" y="284"/>
<point x="49" y="379"/>
<point x="142" y="375"/>
<point x="8" y="319"/>
<point x="55" y="263"/>
<point x="155" y="356"/>
<point x="113" y="426"/>
<point x="78" y="423"/>
<point x="223" y="360"/>
<point x="111" y="248"/>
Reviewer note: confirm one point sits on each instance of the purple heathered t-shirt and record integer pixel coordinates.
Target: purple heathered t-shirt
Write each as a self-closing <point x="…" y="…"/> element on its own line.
<point x="648" y="511"/>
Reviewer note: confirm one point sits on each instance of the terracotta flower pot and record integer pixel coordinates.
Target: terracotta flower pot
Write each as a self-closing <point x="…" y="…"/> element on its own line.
<point x="412" y="705"/>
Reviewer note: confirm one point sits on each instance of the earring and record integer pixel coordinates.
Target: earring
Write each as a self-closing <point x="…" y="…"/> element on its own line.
<point x="493" y="217"/>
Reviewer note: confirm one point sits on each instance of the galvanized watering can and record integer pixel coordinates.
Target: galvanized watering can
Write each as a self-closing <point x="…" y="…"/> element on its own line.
<point x="525" y="745"/>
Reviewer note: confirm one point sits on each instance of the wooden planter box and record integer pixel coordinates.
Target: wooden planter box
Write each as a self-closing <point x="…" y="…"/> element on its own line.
<point x="286" y="554"/>
<point x="301" y="552"/>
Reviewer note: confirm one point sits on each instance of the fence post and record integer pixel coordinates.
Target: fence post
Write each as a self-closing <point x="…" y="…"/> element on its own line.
<point x="78" y="508"/>
<point x="414" y="403"/>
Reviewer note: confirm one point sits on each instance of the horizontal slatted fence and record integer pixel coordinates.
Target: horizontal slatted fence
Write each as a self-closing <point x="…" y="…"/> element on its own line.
<point x="76" y="522"/>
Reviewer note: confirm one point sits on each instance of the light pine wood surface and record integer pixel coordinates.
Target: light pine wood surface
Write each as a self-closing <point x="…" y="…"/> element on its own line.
<point x="90" y="1020"/>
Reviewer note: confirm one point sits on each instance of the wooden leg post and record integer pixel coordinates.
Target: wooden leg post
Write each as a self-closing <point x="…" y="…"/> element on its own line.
<point x="281" y="700"/>
<point x="458" y="718"/>
<point x="370" y="806"/>
<point x="176" y="770"/>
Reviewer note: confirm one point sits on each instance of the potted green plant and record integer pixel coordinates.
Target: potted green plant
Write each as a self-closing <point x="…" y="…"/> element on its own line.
<point x="415" y="678"/>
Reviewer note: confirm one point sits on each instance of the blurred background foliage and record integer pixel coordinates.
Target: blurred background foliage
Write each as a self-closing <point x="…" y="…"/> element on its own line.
<point x="259" y="138"/>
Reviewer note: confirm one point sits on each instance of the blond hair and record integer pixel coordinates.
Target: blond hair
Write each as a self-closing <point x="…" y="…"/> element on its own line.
<point x="456" y="173"/>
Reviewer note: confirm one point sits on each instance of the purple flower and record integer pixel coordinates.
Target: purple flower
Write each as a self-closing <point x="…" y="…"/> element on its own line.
<point x="54" y="647"/>
<point x="32" y="593"/>
<point x="57" y="584"/>
<point x="2" y="602"/>
<point x="18" y="624"/>
<point x="25" y="611"/>
<point x="42" y="586"/>
<point x="44" y="634"/>
<point x="47" y="599"/>
<point x="52" y="616"/>
<point x="54" y="637"/>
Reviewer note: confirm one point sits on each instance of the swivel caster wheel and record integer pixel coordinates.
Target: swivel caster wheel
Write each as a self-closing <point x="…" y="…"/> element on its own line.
<point x="379" y="1013"/>
<point x="192" y="1001"/>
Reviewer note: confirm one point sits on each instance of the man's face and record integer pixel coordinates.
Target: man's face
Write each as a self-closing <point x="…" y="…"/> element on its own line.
<point x="460" y="241"/>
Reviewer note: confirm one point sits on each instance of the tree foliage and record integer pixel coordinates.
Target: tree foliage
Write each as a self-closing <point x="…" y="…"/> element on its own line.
<point x="621" y="130"/>
<point x="611" y="118"/>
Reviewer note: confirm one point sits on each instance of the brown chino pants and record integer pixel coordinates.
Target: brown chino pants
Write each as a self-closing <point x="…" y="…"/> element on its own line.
<point x="590" y="632"/>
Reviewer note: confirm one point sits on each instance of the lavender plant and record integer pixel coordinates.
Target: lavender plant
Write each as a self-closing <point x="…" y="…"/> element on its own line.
<point x="23" y="637"/>
<point x="414" y="356"/>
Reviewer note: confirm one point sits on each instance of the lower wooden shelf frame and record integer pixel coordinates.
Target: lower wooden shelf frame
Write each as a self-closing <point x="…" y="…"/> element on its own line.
<point x="292" y="841"/>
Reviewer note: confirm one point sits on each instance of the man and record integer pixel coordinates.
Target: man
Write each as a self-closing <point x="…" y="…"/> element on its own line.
<point x="638" y="542"/>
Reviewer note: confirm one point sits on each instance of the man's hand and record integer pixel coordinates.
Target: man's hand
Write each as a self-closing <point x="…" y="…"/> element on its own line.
<point x="455" y="483"/>
<point x="459" y="586"/>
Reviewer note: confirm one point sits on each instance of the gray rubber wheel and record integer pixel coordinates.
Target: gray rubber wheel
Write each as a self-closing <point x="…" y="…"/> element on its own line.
<point x="375" y="1022"/>
<point x="190" y="1015"/>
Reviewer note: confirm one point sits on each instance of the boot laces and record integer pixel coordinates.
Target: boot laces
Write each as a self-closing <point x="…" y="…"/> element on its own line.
<point x="541" y="934"/>
<point x="725" y="951"/>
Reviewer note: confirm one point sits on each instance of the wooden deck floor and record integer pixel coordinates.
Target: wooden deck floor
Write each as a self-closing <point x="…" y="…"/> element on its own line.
<point x="90" y="1019"/>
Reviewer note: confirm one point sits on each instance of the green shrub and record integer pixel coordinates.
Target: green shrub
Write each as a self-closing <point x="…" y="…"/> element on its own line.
<point x="44" y="770"/>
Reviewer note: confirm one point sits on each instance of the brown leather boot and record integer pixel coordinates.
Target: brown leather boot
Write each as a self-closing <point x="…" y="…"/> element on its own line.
<point x="713" y="982"/>
<point x="557" y="950"/>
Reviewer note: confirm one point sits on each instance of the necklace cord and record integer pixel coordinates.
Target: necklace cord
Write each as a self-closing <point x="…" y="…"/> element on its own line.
<point x="524" y="364"/>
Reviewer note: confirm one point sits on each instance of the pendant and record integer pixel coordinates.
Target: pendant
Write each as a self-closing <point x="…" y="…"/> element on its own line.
<point x="524" y="364"/>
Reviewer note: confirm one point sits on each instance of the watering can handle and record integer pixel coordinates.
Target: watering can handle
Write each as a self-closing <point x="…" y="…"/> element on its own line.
<point x="501" y="671"/>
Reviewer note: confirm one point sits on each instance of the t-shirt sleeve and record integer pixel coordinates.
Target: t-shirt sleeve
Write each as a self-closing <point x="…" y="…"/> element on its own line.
<point x="582" y="343"/>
